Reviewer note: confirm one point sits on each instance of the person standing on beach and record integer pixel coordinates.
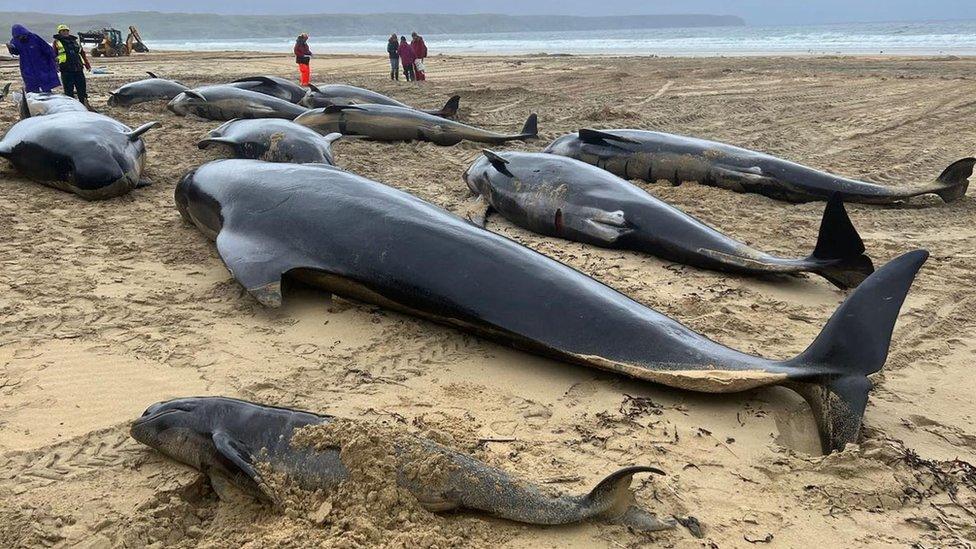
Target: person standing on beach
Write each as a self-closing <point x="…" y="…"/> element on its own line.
<point x="303" y="56"/>
<point x="73" y="63"/>
<point x="393" y="48"/>
<point x="37" y="61"/>
<point x="407" y="57"/>
<point x="420" y="51"/>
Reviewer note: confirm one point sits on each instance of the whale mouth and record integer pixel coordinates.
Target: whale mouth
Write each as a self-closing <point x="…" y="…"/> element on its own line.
<point x="148" y="416"/>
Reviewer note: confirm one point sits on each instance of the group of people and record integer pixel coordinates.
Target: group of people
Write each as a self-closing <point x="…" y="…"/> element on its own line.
<point x="411" y="55"/>
<point x="40" y="62"/>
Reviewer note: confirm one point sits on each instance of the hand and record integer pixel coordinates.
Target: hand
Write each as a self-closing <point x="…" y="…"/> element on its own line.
<point x="87" y="67"/>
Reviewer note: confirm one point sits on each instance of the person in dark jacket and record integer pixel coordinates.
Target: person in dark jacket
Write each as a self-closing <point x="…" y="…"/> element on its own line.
<point x="407" y="57"/>
<point x="393" y="49"/>
<point x="420" y="51"/>
<point x="73" y="63"/>
<point x="303" y="56"/>
<point x="37" y="62"/>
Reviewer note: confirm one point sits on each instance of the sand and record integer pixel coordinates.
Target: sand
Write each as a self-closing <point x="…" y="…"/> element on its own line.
<point x="108" y="307"/>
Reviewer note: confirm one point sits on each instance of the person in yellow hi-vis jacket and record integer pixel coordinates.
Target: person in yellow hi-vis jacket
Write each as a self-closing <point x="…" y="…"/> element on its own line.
<point x="73" y="62"/>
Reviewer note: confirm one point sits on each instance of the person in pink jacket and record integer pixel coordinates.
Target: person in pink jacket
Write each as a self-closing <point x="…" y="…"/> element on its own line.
<point x="407" y="57"/>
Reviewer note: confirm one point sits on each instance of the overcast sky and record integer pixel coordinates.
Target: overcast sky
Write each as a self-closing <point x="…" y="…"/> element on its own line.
<point x="755" y="12"/>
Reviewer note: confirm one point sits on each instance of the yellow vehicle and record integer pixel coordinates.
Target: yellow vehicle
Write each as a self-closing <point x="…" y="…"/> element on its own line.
<point x="108" y="42"/>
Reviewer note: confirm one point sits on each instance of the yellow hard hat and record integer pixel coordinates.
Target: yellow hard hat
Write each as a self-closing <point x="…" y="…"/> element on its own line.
<point x="63" y="27"/>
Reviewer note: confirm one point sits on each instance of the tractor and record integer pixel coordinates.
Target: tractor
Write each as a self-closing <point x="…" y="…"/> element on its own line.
<point x="108" y="42"/>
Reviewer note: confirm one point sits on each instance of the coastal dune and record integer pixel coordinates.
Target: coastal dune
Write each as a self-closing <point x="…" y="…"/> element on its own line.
<point x="110" y="306"/>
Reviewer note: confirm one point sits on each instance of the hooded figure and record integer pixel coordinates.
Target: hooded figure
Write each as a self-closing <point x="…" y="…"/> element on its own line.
<point x="38" y="67"/>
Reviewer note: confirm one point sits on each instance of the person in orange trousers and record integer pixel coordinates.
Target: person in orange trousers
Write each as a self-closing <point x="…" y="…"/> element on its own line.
<point x="303" y="56"/>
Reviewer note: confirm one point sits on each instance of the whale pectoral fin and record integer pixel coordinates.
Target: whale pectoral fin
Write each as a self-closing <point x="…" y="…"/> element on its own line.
<point x="607" y="227"/>
<point x="738" y="179"/>
<point x="135" y="134"/>
<point x="255" y="265"/>
<point x="235" y="458"/>
<point x="499" y="162"/>
<point x="144" y="182"/>
<point x="476" y="211"/>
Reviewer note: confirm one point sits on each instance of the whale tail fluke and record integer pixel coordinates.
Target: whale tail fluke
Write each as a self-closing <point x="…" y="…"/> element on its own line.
<point x="840" y="244"/>
<point x="612" y="499"/>
<point x="852" y="345"/>
<point x="954" y="180"/>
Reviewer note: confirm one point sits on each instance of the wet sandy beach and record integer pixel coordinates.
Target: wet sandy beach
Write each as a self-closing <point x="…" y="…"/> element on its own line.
<point x="107" y="307"/>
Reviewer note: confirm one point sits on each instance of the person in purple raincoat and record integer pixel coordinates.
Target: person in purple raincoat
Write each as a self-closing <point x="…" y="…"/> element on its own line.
<point x="38" y="67"/>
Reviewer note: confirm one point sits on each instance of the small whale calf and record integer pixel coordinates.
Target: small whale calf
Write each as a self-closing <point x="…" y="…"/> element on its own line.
<point x="273" y="140"/>
<point x="319" y="224"/>
<point x="225" y="102"/>
<point x="390" y="123"/>
<point x="228" y="439"/>
<point x="558" y="196"/>
<point x="149" y="89"/>
<point x="343" y="94"/>
<point x="650" y="156"/>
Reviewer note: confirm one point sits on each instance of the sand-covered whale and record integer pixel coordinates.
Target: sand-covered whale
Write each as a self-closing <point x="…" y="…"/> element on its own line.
<point x="273" y="140"/>
<point x="233" y="441"/>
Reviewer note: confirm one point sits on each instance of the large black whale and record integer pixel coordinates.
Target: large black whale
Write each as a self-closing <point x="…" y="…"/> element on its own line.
<point x="361" y="239"/>
<point x="637" y="154"/>
<point x="89" y="154"/>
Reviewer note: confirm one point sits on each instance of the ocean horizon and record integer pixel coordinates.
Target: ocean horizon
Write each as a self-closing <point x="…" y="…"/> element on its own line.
<point x="896" y="38"/>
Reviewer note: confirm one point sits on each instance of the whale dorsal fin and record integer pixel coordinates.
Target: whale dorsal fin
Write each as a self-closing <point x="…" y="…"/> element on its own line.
<point x="498" y="162"/>
<point x="314" y="88"/>
<point x="595" y="137"/>
<point x="151" y="74"/>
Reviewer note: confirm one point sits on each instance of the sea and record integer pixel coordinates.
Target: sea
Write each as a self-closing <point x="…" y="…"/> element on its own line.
<point x="897" y="38"/>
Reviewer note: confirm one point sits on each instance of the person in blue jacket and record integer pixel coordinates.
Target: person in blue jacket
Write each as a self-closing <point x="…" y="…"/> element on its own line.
<point x="38" y="66"/>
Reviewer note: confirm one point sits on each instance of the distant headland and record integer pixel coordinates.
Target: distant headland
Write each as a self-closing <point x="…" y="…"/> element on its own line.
<point x="155" y="25"/>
